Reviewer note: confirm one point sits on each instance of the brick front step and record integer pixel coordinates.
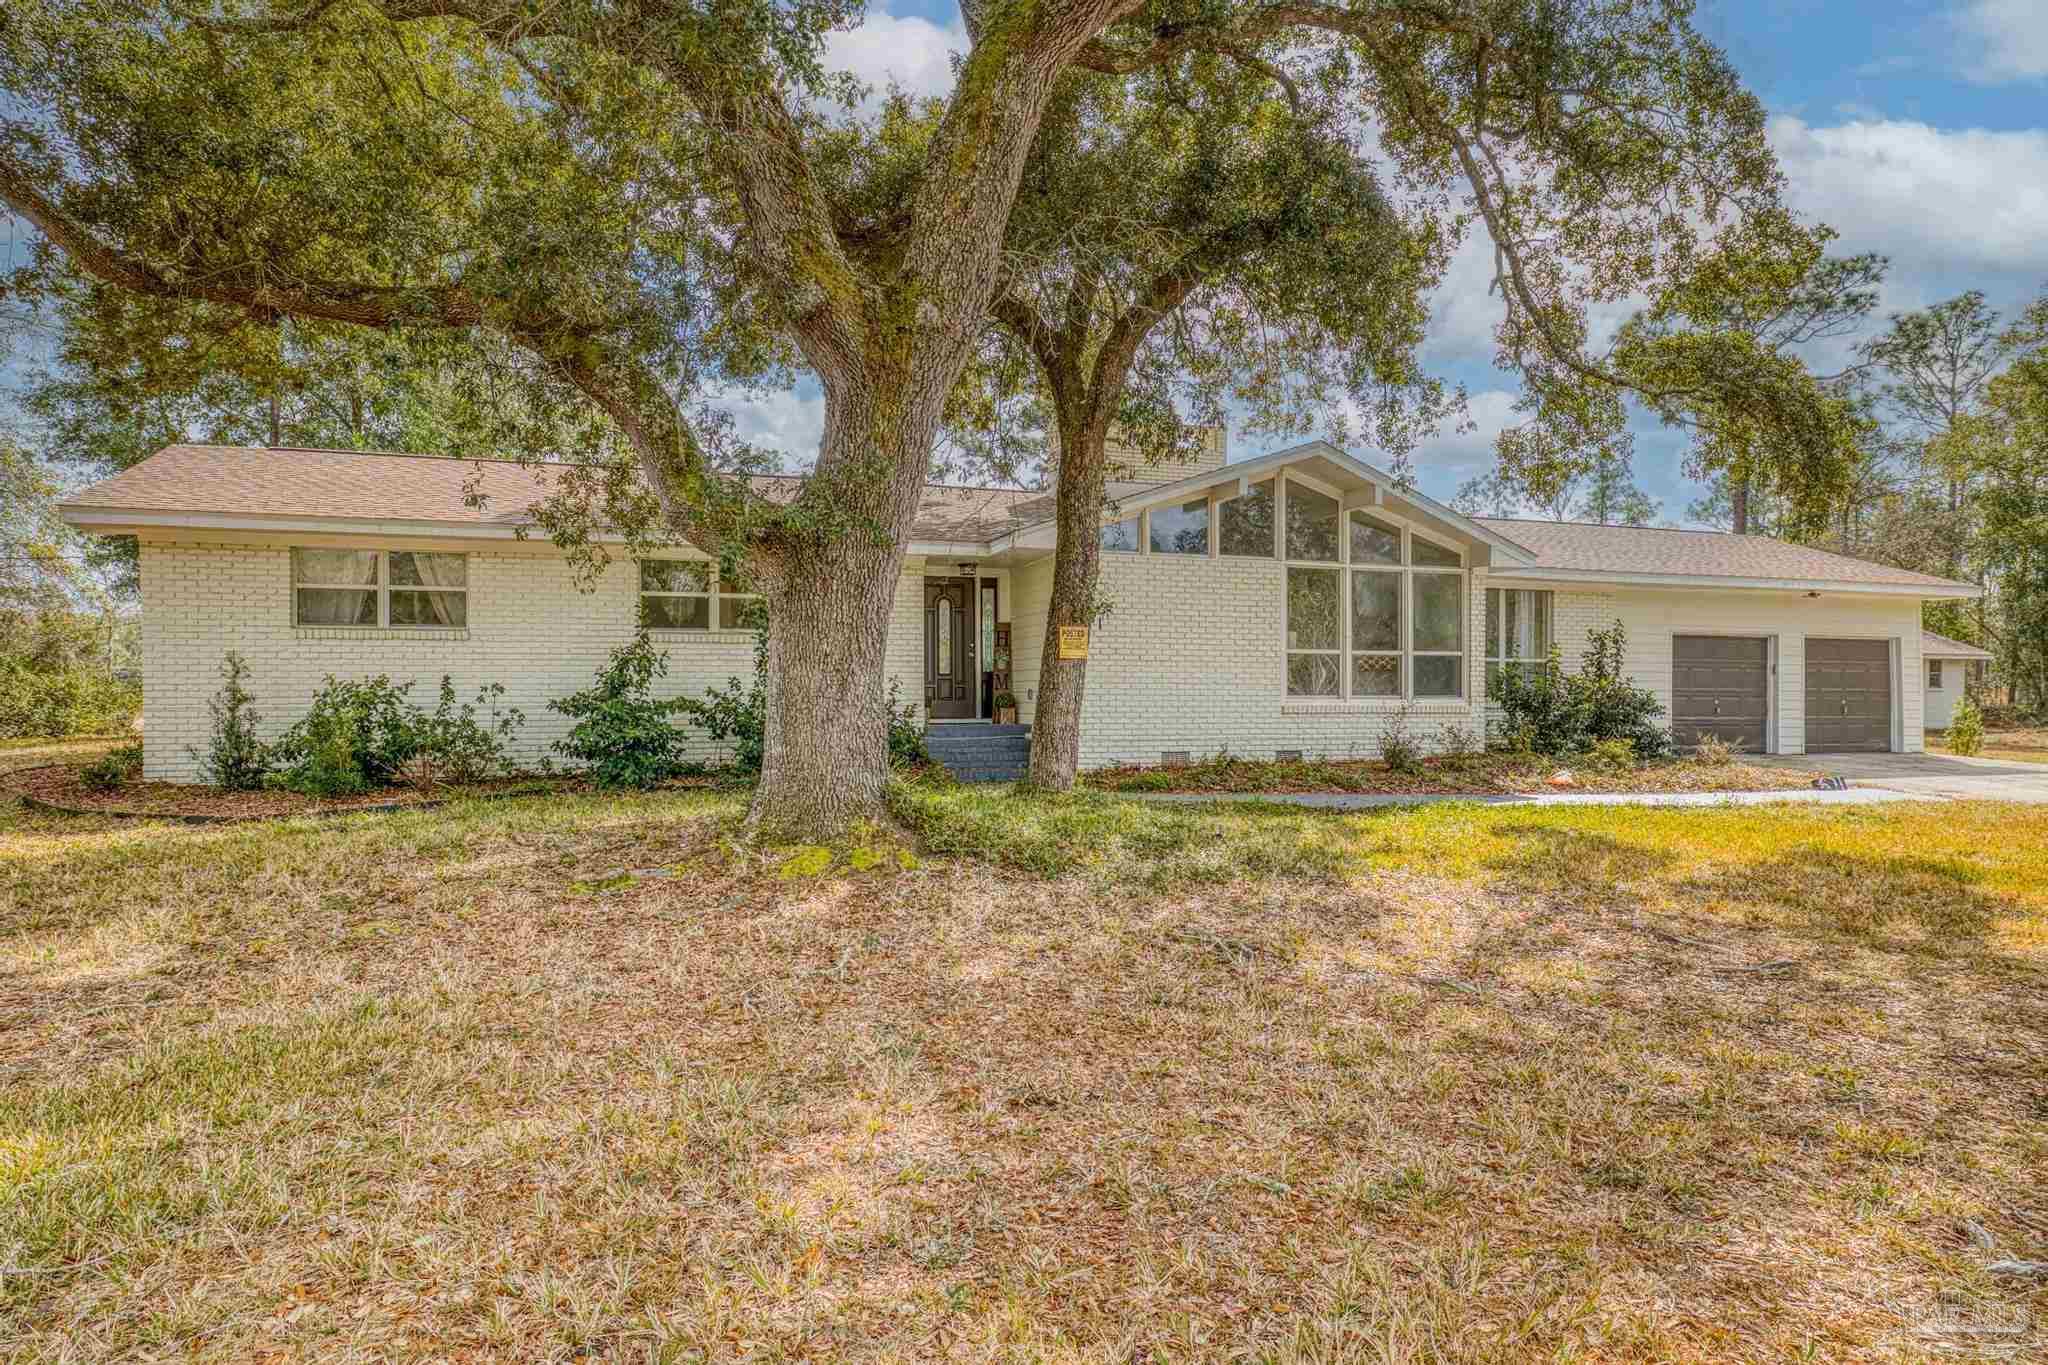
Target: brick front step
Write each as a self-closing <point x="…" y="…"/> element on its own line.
<point x="980" y="753"/>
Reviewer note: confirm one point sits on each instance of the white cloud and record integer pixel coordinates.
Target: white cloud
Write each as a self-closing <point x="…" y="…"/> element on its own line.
<point x="913" y="52"/>
<point x="787" y="421"/>
<point x="1464" y="310"/>
<point x="1964" y="198"/>
<point x="1444" y="461"/>
<point x="2003" y="40"/>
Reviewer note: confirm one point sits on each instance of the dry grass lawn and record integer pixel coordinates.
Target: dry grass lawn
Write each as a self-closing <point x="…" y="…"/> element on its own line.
<point x="1080" y="1080"/>
<point x="2029" y="744"/>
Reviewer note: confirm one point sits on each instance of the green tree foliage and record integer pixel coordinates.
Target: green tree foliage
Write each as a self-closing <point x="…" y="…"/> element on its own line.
<point x="1603" y="491"/>
<point x="1722" y="357"/>
<point x="37" y="571"/>
<point x="653" y="199"/>
<point x="2002" y="454"/>
<point x="130" y="375"/>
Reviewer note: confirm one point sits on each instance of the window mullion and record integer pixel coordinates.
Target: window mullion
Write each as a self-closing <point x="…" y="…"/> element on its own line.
<point x="1407" y="625"/>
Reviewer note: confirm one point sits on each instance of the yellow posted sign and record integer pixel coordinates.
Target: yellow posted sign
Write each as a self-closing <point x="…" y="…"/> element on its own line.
<point x="1073" y="642"/>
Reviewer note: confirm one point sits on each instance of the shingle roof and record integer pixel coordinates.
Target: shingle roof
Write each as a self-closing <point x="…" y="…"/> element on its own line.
<point x="1585" y="547"/>
<point x="350" y="485"/>
<point x="354" y="485"/>
<point x="1941" y="647"/>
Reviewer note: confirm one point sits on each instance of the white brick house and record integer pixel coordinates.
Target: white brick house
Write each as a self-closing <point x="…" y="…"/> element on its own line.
<point x="1295" y="601"/>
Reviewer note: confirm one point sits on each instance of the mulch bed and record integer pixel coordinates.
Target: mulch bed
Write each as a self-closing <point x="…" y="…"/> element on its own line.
<point x="1475" y="777"/>
<point x="57" y="787"/>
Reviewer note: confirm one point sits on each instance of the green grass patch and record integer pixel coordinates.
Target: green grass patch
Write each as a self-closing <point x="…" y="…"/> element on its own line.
<point x="1111" y="838"/>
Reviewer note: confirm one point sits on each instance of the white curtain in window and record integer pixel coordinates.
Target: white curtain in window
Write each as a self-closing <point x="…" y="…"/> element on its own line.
<point x="337" y="607"/>
<point x="409" y="568"/>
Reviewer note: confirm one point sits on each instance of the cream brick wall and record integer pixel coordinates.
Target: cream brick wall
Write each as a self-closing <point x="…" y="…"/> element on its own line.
<point x="1126" y="466"/>
<point x="1189" y="658"/>
<point x="1031" y="598"/>
<point x="530" y="628"/>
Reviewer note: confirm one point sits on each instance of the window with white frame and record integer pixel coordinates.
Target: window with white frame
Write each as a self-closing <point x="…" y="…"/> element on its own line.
<point x="690" y="594"/>
<point x="1179" y="528"/>
<point x="403" y="589"/>
<point x="1934" y="675"/>
<point x="1121" y="536"/>
<point x="1374" y="607"/>
<point x="1244" y="525"/>
<point x="1517" y="631"/>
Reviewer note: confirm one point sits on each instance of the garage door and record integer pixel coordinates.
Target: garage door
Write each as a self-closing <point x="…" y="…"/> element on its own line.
<point x="1848" y="696"/>
<point x="1720" y="687"/>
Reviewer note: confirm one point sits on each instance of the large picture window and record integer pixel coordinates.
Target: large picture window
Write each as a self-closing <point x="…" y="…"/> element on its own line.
<point x="1439" y="635"/>
<point x="1315" y="640"/>
<point x="1311" y="524"/>
<point x="1517" y="631"/>
<point x="689" y="594"/>
<point x="1374" y="608"/>
<point x="398" y="588"/>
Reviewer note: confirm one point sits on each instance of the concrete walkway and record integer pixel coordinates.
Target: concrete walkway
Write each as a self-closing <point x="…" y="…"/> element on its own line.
<point x="1853" y="796"/>
<point x="1936" y="776"/>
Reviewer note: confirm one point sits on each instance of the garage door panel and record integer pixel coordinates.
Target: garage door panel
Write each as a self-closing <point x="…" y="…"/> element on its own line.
<point x="1720" y="688"/>
<point x="1848" y="696"/>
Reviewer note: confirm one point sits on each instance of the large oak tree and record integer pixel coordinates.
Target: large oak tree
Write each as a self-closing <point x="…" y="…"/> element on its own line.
<point x="653" y="196"/>
<point x="1199" y="238"/>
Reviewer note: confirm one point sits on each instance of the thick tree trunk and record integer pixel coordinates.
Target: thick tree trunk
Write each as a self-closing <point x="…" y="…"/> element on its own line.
<point x="1063" y="683"/>
<point x="830" y="594"/>
<point x="826" y="751"/>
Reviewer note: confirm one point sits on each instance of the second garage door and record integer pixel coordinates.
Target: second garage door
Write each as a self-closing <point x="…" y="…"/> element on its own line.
<point x="1848" y="696"/>
<point x="1720" y="686"/>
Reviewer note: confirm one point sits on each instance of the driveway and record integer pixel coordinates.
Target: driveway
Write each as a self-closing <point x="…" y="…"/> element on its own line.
<point x="1973" y="779"/>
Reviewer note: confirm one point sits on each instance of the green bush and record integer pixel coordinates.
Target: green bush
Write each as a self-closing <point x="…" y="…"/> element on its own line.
<point x="737" y="714"/>
<point x="452" y="746"/>
<point x="234" y="759"/>
<point x="112" y="770"/>
<point x="72" y="700"/>
<point x="1398" y="749"/>
<point x="321" y="758"/>
<point x="358" y="734"/>
<point x="621" y="733"/>
<point x="1456" y="746"/>
<point x="906" y="731"/>
<point x="366" y="733"/>
<point x="1557" y="714"/>
<point x="1966" y="729"/>
<point x="1611" y="756"/>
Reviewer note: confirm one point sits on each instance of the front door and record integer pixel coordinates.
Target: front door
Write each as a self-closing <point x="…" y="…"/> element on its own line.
<point x="949" y="672"/>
